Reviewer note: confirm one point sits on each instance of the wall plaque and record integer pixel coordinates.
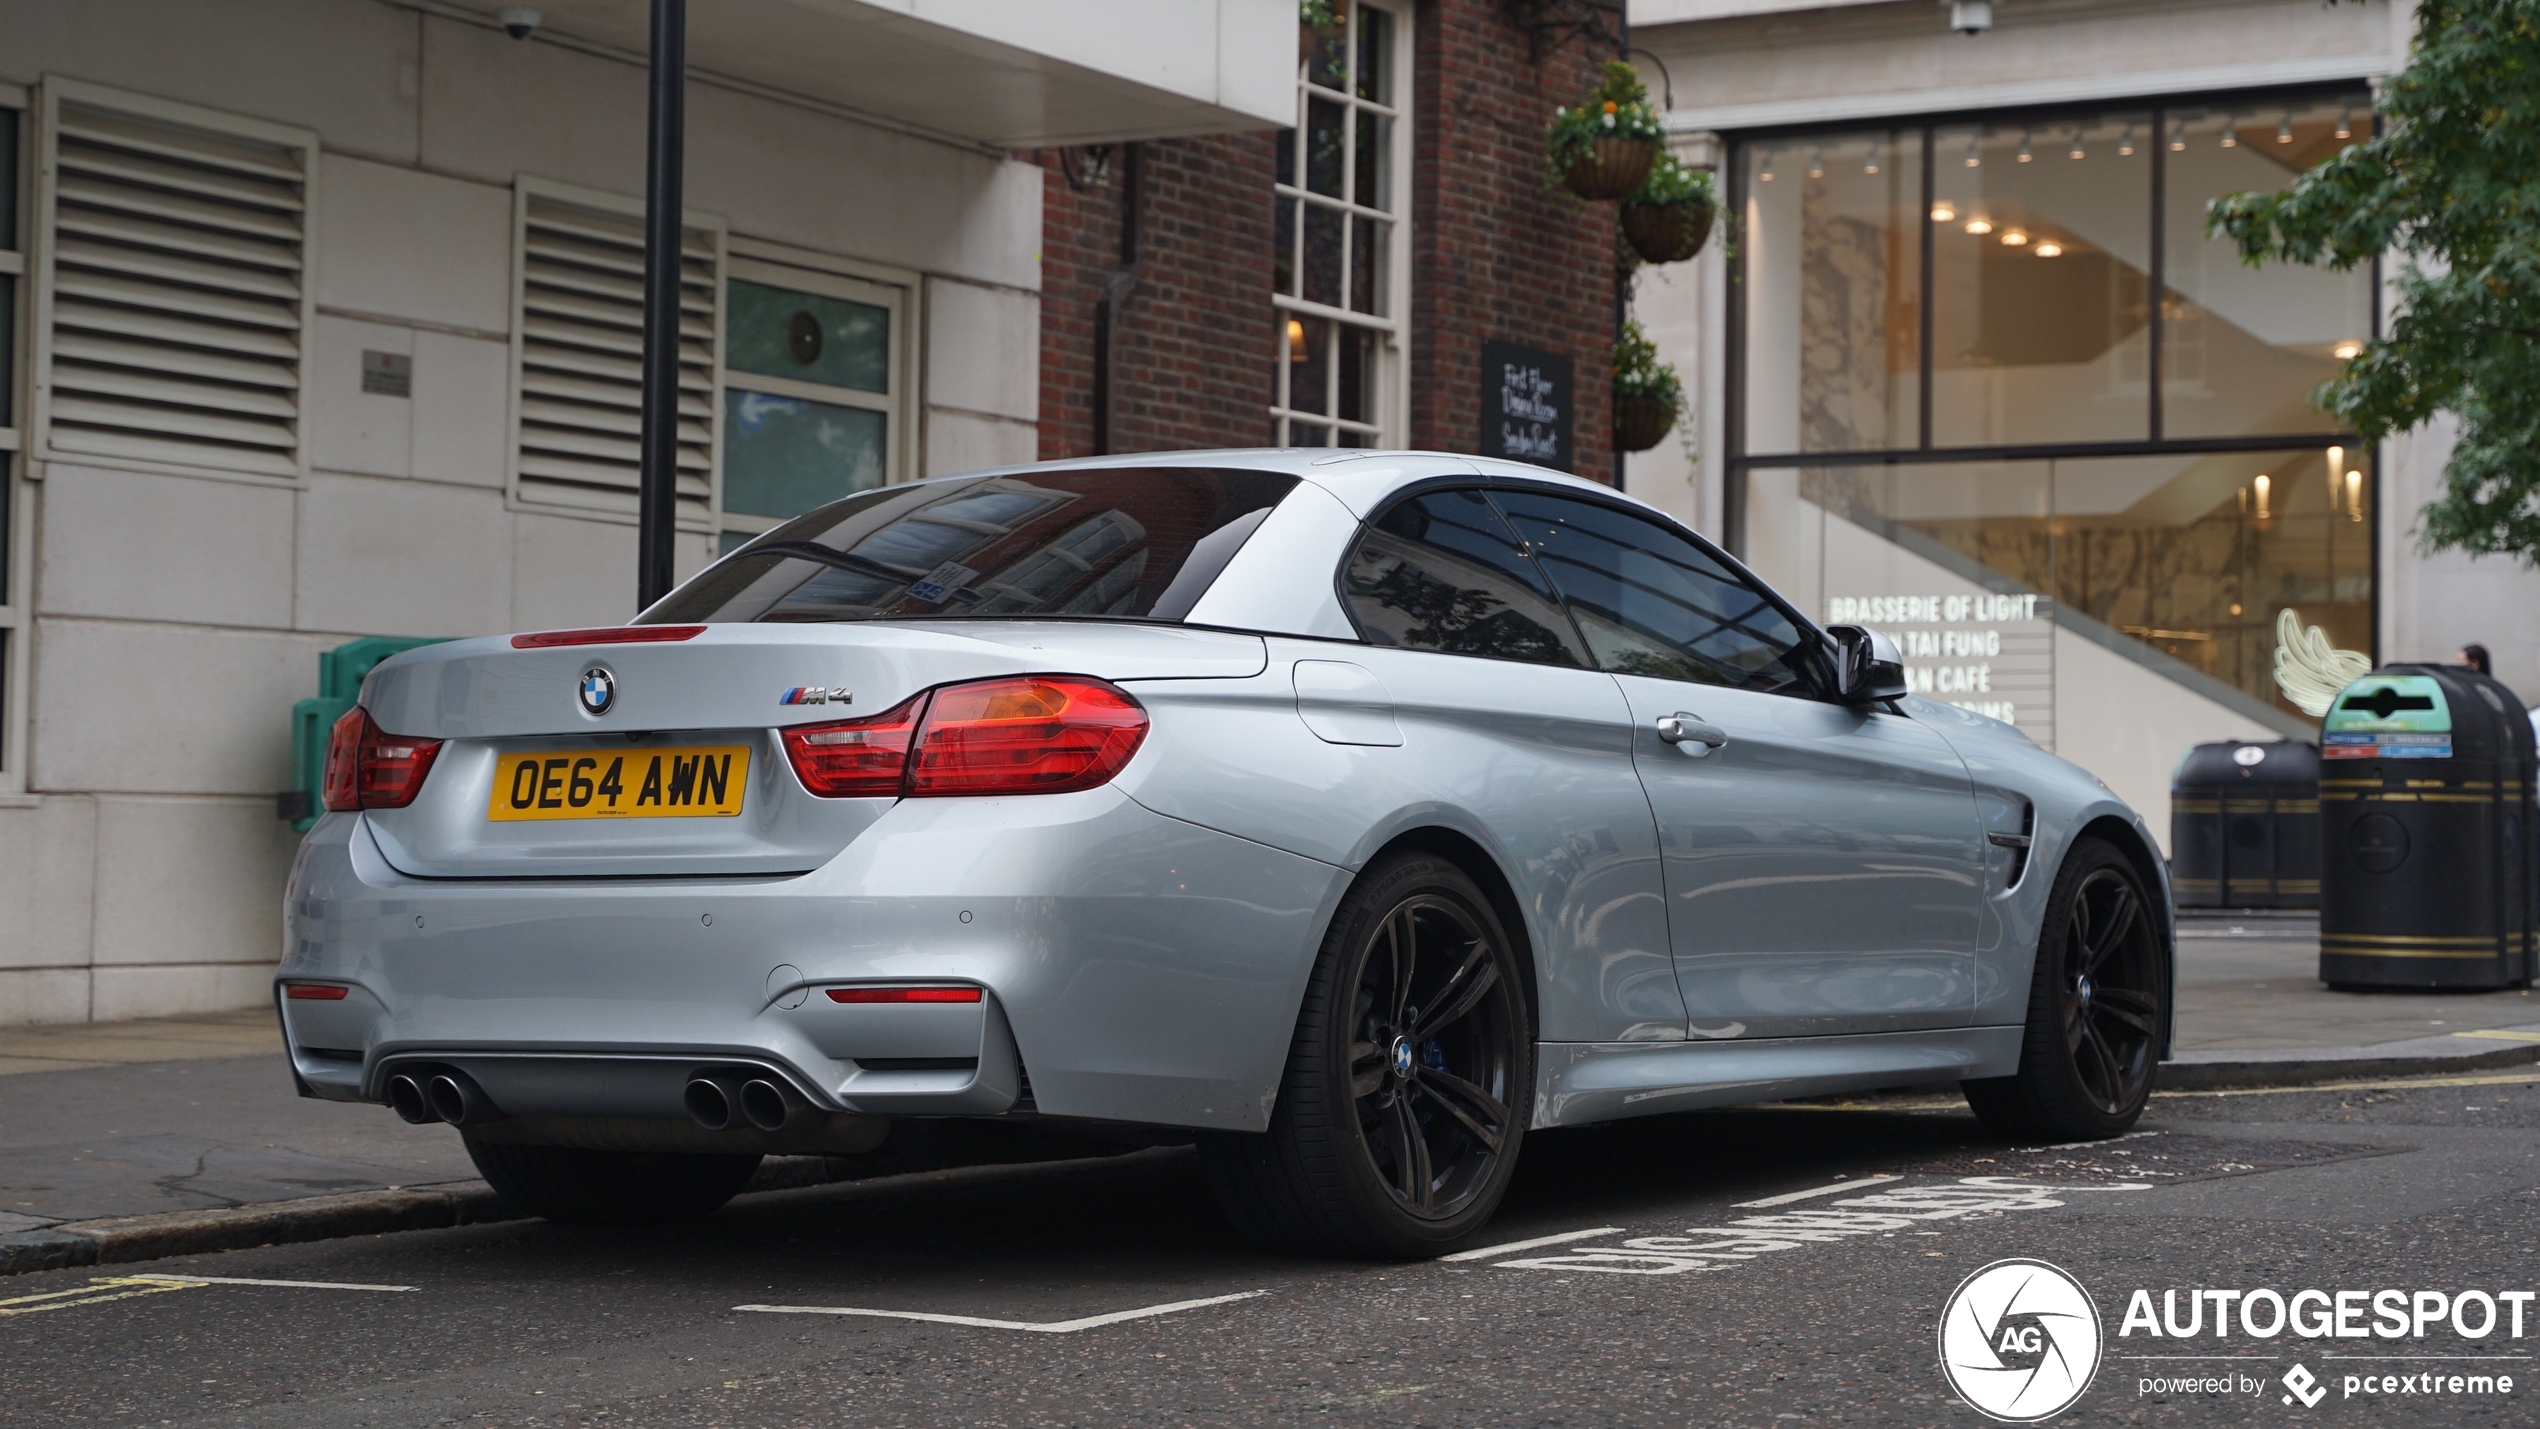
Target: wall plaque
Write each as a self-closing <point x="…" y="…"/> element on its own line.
<point x="1526" y="404"/>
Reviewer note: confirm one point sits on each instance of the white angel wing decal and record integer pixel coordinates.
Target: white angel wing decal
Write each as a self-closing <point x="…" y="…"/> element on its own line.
<point x="2308" y="668"/>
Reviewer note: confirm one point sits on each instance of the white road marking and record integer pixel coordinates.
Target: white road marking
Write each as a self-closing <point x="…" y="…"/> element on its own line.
<point x="1514" y="1246"/>
<point x="1836" y="1188"/>
<point x="1056" y="1327"/>
<point x="286" y="1284"/>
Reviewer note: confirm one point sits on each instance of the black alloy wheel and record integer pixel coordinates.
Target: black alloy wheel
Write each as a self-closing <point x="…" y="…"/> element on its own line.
<point x="1409" y="1081"/>
<point x="2098" y="1004"/>
<point x="2110" y="988"/>
<point x="1430" y="1055"/>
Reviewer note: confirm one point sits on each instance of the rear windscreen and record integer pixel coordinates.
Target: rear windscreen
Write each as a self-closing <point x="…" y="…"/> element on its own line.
<point x="1131" y="543"/>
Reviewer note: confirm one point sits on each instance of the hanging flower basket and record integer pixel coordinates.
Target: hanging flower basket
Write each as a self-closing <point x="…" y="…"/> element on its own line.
<point x="1667" y="218"/>
<point x="1642" y="422"/>
<point x="1647" y="392"/>
<point x="1610" y="168"/>
<point x="1667" y="232"/>
<point x="1603" y="148"/>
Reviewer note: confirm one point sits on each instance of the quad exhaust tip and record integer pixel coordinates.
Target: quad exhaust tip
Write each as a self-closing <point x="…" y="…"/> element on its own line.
<point x="709" y="1103"/>
<point x="455" y="1099"/>
<point x="765" y="1104"/>
<point x="406" y="1097"/>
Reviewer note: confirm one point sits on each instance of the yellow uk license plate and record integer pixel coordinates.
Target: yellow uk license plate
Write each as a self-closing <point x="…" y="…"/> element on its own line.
<point x="687" y="783"/>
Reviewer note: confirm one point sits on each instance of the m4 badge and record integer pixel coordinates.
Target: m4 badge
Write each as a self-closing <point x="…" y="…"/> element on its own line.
<point x="817" y="695"/>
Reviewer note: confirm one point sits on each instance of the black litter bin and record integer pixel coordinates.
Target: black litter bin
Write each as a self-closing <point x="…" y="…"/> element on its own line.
<point x="2429" y="870"/>
<point x="2245" y="826"/>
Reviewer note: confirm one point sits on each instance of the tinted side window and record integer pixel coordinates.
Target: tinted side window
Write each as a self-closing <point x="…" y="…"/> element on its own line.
<point x="1653" y="603"/>
<point x="1443" y="572"/>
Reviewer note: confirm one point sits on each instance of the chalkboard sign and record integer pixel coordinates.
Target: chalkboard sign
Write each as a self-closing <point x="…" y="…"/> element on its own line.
<point x="1526" y="404"/>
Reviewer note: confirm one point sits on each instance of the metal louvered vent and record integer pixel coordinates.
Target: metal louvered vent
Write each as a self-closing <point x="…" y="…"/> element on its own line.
<point x="581" y="385"/>
<point x="178" y="322"/>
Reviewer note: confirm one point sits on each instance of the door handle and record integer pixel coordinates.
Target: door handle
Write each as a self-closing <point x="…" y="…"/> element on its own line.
<point x="1682" y="729"/>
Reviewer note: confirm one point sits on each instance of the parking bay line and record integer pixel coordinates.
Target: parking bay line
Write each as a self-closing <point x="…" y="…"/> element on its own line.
<point x="1814" y="1192"/>
<point x="1514" y="1246"/>
<point x="284" y="1284"/>
<point x="97" y="1291"/>
<point x="1056" y="1327"/>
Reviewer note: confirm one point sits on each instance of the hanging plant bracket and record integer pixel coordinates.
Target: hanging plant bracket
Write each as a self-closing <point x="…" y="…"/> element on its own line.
<point x="1550" y="24"/>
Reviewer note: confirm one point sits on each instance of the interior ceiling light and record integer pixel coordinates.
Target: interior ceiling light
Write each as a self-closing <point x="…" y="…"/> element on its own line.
<point x="1975" y="153"/>
<point x="2125" y="146"/>
<point x="2284" y="130"/>
<point x="1764" y="163"/>
<point x="2178" y="137"/>
<point x="2024" y="155"/>
<point x="1942" y="213"/>
<point x="2348" y="349"/>
<point x="2076" y="149"/>
<point x="1872" y="166"/>
<point x="1979" y="227"/>
<point x="2014" y="238"/>
<point x="2050" y="249"/>
<point x="2231" y="131"/>
<point x="2345" y="124"/>
<point x="1816" y="165"/>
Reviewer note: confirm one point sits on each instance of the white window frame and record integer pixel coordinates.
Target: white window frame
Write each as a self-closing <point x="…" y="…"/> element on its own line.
<point x="896" y="290"/>
<point x="37" y="228"/>
<point x="1391" y="427"/>
<point x="526" y="187"/>
<point x="17" y="491"/>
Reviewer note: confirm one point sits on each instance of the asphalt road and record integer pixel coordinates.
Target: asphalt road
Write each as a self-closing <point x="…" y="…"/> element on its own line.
<point x="2432" y="1187"/>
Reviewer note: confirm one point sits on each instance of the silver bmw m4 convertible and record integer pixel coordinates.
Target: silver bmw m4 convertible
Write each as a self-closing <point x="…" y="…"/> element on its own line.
<point x="1351" y="814"/>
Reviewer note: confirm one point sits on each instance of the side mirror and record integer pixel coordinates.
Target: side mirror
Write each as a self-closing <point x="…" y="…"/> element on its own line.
<point x="1867" y="665"/>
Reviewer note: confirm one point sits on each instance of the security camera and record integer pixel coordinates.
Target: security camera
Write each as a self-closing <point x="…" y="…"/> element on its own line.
<point x="519" y="21"/>
<point x="1971" y="17"/>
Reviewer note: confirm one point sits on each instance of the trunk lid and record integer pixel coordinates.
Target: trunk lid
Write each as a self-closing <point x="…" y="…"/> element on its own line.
<point x="722" y="698"/>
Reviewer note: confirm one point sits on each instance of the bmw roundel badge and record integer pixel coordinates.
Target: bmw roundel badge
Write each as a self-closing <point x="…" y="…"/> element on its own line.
<point x="599" y="691"/>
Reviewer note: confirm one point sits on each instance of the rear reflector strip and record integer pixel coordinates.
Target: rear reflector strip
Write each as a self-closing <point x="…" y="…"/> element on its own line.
<point x="607" y="635"/>
<point x="314" y="991"/>
<point x="903" y="994"/>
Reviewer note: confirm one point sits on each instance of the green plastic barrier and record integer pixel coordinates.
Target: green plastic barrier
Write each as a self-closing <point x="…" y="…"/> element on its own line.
<point x="340" y="675"/>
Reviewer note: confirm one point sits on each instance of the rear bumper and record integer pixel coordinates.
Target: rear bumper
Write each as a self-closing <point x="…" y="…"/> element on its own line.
<point x="1132" y="968"/>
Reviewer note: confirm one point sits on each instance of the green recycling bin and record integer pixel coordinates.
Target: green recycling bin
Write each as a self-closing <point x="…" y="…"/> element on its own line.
<point x="340" y="675"/>
<point x="2428" y="870"/>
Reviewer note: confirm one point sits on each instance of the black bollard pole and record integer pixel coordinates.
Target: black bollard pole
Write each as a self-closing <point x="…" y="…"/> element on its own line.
<point x="658" y="488"/>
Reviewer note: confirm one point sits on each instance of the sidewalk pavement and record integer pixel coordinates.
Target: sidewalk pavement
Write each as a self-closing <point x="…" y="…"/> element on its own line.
<point x="129" y="1141"/>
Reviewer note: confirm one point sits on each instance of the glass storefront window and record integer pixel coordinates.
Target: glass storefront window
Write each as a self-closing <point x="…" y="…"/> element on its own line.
<point x="1833" y="254"/>
<point x="2017" y="308"/>
<point x="2186" y="560"/>
<point x="2041" y="263"/>
<point x="2246" y="347"/>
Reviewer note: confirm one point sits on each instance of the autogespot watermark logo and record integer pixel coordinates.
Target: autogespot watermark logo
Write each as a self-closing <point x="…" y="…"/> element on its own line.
<point x="2020" y="1341"/>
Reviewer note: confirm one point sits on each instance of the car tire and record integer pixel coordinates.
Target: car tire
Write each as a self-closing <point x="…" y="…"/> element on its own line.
<point x="1397" y="1125"/>
<point x="2098" y="1009"/>
<point x="611" y="1188"/>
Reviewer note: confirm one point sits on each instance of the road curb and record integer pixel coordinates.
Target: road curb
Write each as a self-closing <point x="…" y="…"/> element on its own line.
<point x="2227" y="1071"/>
<point x="120" y="1239"/>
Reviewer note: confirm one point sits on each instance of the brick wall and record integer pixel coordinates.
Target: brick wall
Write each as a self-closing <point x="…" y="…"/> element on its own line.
<point x="1495" y="253"/>
<point x="1192" y="345"/>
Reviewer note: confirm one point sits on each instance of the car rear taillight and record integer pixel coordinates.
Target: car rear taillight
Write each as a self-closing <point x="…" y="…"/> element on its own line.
<point x="1029" y="734"/>
<point x="607" y="635"/>
<point x="369" y="769"/>
<point x="315" y="991"/>
<point x="903" y="994"/>
<point x="856" y="758"/>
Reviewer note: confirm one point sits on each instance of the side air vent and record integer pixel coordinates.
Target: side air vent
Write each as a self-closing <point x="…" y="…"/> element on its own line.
<point x="581" y="345"/>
